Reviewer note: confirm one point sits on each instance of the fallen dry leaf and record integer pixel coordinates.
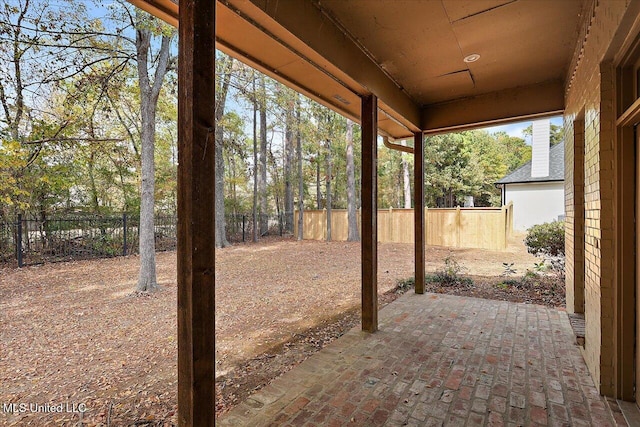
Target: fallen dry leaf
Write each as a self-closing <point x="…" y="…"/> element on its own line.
<point x="76" y="332"/>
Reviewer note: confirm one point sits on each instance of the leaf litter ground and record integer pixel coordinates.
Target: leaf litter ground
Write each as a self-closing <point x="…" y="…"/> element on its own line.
<point x="75" y="333"/>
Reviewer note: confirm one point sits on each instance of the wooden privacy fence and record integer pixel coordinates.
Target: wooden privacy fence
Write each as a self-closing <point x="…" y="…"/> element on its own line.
<point x="484" y="228"/>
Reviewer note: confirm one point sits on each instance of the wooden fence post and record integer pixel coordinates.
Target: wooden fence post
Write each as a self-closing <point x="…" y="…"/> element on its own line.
<point x="510" y="207"/>
<point x="390" y="230"/>
<point x="295" y="223"/>
<point x="454" y="227"/>
<point x="324" y="224"/>
<point x="503" y="218"/>
<point x="426" y="225"/>
<point x="458" y="225"/>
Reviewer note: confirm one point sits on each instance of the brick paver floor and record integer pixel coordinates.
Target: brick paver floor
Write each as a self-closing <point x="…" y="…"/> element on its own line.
<point x="438" y="360"/>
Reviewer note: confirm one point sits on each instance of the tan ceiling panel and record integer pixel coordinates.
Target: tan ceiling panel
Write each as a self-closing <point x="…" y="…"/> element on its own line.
<point x="277" y="58"/>
<point x="305" y="21"/>
<point x="409" y="53"/>
<point x="457" y="10"/>
<point x="442" y="88"/>
<point x="515" y="50"/>
<point x="409" y="39"/>
<point x="415" y="43"/>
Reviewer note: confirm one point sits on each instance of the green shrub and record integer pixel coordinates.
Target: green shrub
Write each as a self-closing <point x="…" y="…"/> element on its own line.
<point x="405" y="284"/>
<point x="505" y="284"/>
<point x="450" y="274"/>
<point x="532" y="274"/>
<point x="539" y="267"/>
<point x="546" y="239"/>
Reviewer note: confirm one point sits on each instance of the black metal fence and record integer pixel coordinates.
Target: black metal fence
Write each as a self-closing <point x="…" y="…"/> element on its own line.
<point x="7" y="242"/>
<point x="29" y="241"/>
<point x="240" y="227"/>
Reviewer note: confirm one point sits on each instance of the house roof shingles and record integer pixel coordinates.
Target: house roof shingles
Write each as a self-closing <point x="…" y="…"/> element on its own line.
<point x="556" y="169"/>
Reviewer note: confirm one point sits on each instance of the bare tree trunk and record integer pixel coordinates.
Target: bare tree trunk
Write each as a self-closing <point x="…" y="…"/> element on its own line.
<point x="300" y="176"/>
<point x="288" y="161"/>
<point x="262" y="182"/>
<point x="13" y="122"/>
<point x="275" y="179"/>
<point x="221" y="100"/>
<point x="328" y="184"/>
<point x="318" y="192"/>
<point x="221" y="224"/>
<point x="234" y="192"/>
<point x="149" y="93"/>
<point x="125" y="191"/>
<point x="255" y="163"/>
<point x="230" y="184"/>
<point x="407" y="182"/>
<point x="147" y="277"/>
<point x="352" y="219"/>
<point x="95" y="204"/>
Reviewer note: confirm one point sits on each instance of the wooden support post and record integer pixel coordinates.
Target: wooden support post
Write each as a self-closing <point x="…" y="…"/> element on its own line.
<point x="625" y="296"/>
<point x="369" y="190"/>
<point x="418" y="212"/>
<point x="196" y="213"/>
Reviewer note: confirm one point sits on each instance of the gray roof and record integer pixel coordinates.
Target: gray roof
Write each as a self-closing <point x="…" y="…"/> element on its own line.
<point x="556" y="169"/>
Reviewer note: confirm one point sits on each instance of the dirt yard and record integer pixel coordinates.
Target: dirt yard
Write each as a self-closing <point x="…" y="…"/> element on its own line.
<point x="74" y="334"/>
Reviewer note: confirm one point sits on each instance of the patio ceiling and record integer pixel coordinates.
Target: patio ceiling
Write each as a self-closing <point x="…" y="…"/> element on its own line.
<point x="410" y="54"/>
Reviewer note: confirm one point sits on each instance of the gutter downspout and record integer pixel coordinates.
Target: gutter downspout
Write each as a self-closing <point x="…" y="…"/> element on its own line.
<point x="397" y="147"/>
<point x="503" y="189"/>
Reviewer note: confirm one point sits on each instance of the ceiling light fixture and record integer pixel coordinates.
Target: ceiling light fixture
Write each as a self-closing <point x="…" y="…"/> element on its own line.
<point x="471" y="58"/>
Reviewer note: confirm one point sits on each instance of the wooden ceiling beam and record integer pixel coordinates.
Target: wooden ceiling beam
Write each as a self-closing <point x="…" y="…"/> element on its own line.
<point x="307" y="23"/>
<point x="304" y="23"/>
<point x="510" y="105"/>
<point x="167" y="10"/>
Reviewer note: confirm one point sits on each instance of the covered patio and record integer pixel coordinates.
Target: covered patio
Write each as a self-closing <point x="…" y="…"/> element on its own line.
<point x="439" y="360"/>
<point x="404" y="69"/>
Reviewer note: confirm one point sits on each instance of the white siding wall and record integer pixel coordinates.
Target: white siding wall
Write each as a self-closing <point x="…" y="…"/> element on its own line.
<point x="535" y="203"/>
<point x="540" y="148"/>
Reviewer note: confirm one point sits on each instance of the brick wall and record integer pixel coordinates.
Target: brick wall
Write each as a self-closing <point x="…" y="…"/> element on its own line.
<point x="591" y="90"/>
<point x="574" y="213"/>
